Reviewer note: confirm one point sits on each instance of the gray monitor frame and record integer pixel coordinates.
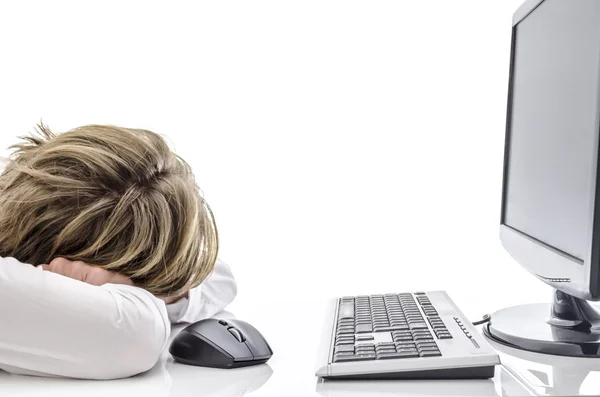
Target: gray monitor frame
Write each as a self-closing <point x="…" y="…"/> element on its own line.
<point x="556" y="268"/>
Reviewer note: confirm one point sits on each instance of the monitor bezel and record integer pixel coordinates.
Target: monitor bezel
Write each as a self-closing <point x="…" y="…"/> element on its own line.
<point x="580" y="278"/>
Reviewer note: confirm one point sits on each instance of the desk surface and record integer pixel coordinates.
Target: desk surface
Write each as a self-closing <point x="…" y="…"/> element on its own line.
<point x="294" y="335"/>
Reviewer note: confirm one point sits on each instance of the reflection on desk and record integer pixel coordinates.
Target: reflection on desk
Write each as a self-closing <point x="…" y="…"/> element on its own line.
<point x="547" y="375"/>
<point x="166" y="379"/>
<point x="503" y="384"/>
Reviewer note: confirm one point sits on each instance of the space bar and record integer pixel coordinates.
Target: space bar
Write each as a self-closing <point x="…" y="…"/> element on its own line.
<point x="346" y="310"/>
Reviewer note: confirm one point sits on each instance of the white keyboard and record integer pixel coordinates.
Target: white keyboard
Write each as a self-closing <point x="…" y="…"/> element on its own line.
<point x="402" y="336"/>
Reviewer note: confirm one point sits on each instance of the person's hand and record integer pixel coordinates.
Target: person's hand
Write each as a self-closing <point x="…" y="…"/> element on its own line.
<point x="83" y="272"/>
<point x="172" y="299"/>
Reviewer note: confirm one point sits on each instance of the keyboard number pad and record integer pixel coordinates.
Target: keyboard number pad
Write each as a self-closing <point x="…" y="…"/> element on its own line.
<point x="438" y="326"/>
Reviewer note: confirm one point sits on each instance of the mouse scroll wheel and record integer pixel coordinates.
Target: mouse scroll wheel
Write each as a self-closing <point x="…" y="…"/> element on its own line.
<point x="236" y="334"/>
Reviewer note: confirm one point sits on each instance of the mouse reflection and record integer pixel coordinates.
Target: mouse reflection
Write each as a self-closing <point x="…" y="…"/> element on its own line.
<point x="194" y="381"/>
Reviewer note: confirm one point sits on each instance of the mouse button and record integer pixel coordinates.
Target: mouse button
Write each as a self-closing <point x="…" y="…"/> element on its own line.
<point x="260" y="350"/>
<point x="254" y="340"/>
<point x="188" y="347"/>
<point x="236" y="334"/>
<point x="221" y="338"/>
<point x="223" y="341"/>
<point x="223" y="322"/>
<point x="203" y="327"/>
<point x="241" y="352"/>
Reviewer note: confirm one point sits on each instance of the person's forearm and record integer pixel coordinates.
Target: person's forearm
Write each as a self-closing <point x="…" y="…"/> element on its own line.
<point x="63" y="327"/>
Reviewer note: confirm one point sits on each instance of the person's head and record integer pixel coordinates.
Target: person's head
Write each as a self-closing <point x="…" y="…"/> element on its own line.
<point x="114" y="197"/>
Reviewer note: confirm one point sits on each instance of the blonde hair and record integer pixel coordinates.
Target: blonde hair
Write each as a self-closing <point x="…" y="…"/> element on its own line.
<point x="114" y="197"/>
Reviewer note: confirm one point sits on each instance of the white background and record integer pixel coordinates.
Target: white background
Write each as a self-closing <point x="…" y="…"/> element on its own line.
<point x="345" y="147"/>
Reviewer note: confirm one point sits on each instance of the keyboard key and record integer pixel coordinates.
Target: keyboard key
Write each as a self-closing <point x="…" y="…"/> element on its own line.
<point x="366" y="346"/>
<point x="344" y="342"/>
<point x="419" y="325"/>
<point x="384" y="328"/>
<point x="391" y="356"/>
<point x="364" y="350"/>
<point x="361" y="338"/>
<point x="346" y="310"/>
<point x="364" y="328"/>
<point x="398" y="320"/>
<point x="427" y="348"/>
<point x="422" y="337"/>
<point x="417" y="338"/>
<point x="426" y="344"/>
<point x="420" y="332"/>
<point x="359" y="357"/>
<point x="408" y="350"/>
<point x="430" y="354"/>
<point x="344" y="348"/>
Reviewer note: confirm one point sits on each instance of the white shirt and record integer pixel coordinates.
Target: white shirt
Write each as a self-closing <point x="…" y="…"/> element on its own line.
<point x="52" y="325"/>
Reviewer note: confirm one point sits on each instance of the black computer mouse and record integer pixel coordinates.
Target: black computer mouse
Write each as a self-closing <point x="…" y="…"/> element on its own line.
<point x="220" y="344"/>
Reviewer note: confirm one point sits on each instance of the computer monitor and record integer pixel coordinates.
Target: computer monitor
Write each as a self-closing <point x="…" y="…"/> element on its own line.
<point x="550" y="220"/>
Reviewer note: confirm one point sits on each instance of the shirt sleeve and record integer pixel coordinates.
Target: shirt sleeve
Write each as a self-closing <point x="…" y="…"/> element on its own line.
<point x="213" y="295"/>
<point x="56" y="326"/>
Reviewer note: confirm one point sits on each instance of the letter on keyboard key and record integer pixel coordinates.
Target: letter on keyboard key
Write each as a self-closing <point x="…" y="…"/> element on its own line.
<point x="346" y="310"/>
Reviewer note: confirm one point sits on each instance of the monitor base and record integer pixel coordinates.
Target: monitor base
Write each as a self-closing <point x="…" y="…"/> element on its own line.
<point x="548" y="328"/>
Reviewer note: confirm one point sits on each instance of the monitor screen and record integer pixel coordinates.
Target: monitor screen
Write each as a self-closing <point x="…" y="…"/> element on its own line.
<point x="554" y="124"/>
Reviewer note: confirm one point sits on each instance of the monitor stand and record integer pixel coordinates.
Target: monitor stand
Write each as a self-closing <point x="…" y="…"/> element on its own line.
<point x="568" y="327"/>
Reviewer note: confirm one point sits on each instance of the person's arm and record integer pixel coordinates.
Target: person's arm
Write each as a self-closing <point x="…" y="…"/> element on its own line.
<point x="57" y="326"/>
<point x="213" y="295"/>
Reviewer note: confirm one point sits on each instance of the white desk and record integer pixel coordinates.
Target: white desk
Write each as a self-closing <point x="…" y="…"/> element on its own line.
<point x="291" y="371"/>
